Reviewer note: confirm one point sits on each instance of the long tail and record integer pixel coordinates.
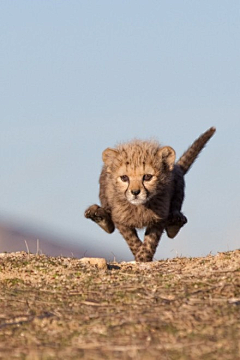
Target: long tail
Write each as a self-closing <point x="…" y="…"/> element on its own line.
<point x="187" y="159"/>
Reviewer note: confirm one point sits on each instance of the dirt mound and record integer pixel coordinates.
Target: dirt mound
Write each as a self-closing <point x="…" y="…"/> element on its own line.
<point x="174" y="309"/>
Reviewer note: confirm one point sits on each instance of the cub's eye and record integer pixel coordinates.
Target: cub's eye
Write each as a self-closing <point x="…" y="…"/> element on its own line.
<point x="147" y="177"/>
<point x="124" y="178"/>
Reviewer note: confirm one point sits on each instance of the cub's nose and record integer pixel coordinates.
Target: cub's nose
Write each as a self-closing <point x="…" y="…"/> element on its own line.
<point x="135" y="192"/>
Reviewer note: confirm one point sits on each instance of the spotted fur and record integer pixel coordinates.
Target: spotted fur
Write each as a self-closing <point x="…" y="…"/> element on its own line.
<point x="141" y="186"/>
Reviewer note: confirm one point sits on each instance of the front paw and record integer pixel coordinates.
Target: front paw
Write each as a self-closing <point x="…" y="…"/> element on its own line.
<point x="176" y="218"/>
<point x="95" y="213"/>
<point x="175" y="221"/>
<point x="100" y="217"/>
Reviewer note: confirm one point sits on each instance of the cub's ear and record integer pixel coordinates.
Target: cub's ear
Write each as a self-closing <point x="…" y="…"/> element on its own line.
<point x="167" y="156"/>
<point x="108" y="156"/>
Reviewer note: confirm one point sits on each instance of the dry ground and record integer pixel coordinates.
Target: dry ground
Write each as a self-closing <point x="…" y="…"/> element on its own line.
<point x="59" y="308"/>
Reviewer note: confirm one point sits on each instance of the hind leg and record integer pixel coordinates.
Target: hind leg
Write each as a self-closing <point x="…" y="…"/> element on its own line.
<point x="100" y="216"/>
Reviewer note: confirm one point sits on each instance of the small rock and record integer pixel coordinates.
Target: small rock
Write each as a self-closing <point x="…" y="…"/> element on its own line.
<point x="99" y="263"/>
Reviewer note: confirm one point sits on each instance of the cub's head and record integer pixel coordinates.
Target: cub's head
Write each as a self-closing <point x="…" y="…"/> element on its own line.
<point x="139" y="169"/>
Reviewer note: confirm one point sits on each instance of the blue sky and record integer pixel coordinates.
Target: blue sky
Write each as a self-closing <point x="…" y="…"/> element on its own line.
<point x="79" y="76"/>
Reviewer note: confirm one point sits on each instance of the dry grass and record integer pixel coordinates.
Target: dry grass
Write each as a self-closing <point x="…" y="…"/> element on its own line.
<point x="56" y="308"/>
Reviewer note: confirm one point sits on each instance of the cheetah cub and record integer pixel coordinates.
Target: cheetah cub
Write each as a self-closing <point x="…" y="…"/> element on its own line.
<point x="141" y="186"/>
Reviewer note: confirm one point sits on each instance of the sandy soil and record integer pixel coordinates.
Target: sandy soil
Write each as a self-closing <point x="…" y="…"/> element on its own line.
<point x="56" y="308"/>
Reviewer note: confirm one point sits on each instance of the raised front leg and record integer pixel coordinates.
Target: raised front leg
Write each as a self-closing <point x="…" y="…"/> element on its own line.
<point x="131" y="237"/>
<point x="101" y="217"/>
<point x="175" y="221"/>
<point x="151" y="239"/>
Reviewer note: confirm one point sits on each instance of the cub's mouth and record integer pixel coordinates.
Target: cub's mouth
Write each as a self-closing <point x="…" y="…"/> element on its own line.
<point x="137" y="201"/>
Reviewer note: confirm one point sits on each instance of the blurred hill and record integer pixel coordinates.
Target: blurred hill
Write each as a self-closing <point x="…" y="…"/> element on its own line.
<point x="15" y="237"/>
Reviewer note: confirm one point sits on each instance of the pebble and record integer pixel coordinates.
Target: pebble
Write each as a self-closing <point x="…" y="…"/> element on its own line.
<point x="99" y="263"/>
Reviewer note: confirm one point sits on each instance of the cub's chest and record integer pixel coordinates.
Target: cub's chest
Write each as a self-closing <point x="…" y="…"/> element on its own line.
<point x="137" y="216"/>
